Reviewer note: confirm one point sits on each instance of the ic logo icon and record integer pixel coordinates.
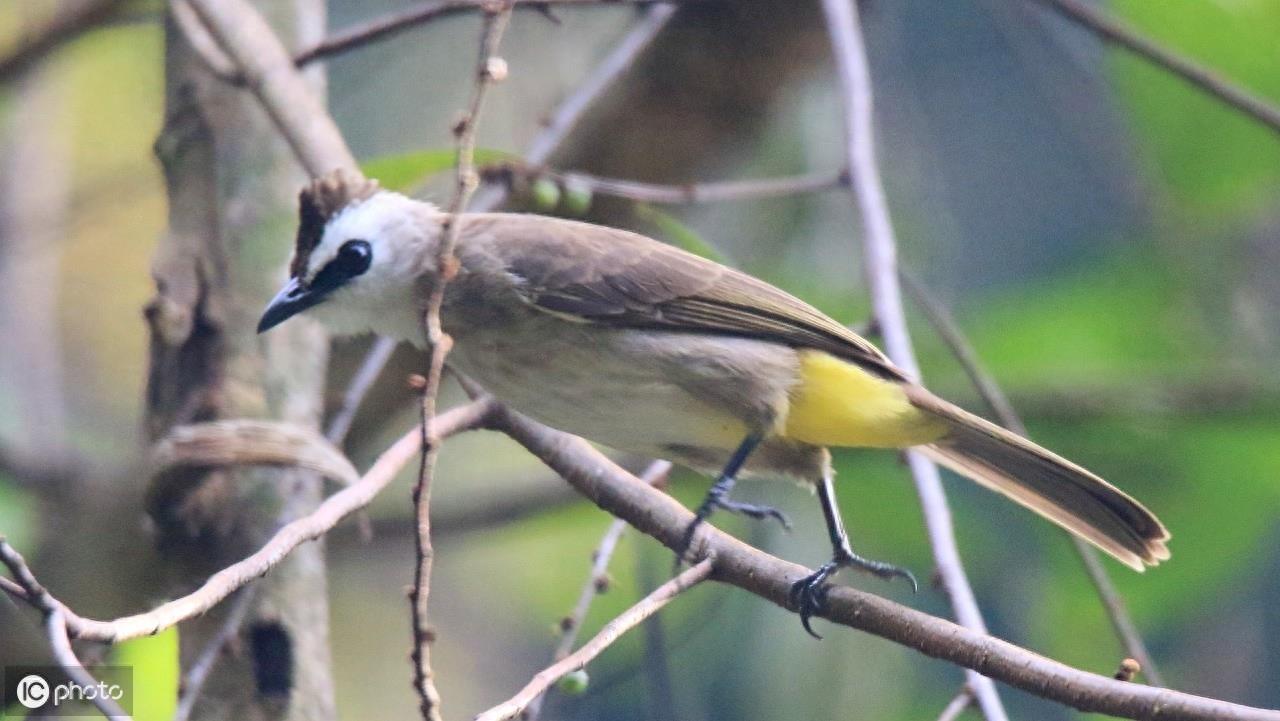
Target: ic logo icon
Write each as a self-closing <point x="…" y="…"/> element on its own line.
<point x="33" y="691"/>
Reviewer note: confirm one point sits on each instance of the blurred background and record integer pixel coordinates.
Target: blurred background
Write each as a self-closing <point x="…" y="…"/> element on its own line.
<point x="1107" y="236"/>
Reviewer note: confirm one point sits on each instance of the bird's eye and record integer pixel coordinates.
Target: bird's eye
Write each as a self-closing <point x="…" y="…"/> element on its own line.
<point x="353" y="258"/>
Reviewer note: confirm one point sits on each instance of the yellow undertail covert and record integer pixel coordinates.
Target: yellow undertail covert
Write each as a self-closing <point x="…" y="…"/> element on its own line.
<point x="837" y="403"/>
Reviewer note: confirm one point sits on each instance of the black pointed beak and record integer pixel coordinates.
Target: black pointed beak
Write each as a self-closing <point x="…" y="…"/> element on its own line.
<point x="294" y="298"/>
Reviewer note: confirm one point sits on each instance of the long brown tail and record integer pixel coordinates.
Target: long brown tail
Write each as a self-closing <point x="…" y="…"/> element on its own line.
<point x="1045" y="482"/>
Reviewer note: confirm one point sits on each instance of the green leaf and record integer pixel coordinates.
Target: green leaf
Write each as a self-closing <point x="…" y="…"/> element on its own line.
<point x="678" y="233"/>
<point x="405" y="171"/>
<point x="155" y="673"/>
<point x="17" y="510"/>
<point x="1214" y="160"/>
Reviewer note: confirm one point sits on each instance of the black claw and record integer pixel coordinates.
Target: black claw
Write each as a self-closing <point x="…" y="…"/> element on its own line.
<point x="752" y="510"/>
<point x="714" y="501"/>
<point x="809" y="594"/>
<point x="880" y="569"/>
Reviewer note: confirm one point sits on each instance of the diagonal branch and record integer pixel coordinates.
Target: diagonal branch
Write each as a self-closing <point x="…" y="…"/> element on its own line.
<point x="67" y="24"/>
<point x="880" y="261"/>
<point x="1207" y="81"/>
<point x="55" y="621"/>
<point x="230" y="579"/>
<point x="655" y="513"/>
<point x="655" y="475"/>
<point x="509" y="173"/>
<point x="628" y="620"/>
<point x="247" y="39"/>
<point x="954" y="338"/>
<point x="398" y="21"/>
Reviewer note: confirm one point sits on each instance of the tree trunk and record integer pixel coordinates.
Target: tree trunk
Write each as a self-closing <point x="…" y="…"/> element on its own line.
<point x="232" y="183"/>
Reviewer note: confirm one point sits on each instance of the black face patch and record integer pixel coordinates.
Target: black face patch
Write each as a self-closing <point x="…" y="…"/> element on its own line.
<point x="353" y="258"/>
<point x="318" y="202"/>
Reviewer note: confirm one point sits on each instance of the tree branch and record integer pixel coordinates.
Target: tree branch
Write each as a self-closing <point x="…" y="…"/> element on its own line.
<point x="366" y="375"/>
<point x="962" y="701"/>
<point x="655" y="475"/>
<point x="628" y="620"/>
<point x="572" y="109"/>
<point x="393" y="23"/>
<point x="225" y="582"/>
<point x="655" y="513"/>
<point x="1198" y="76"/>
<point x="69" y="23"/>
<point x="55" y="623"/>
<point x="250" y="43"/>
<point x="192" y="683"/>
<point x="557" y="128"/>
<point x="510" y="174"/>
<point x="490" y="69"/>
<point x="55" y="619"/>
<point x="660" y="516"/>
<point x="880" y="265"/>
<point x="954" y="338"/>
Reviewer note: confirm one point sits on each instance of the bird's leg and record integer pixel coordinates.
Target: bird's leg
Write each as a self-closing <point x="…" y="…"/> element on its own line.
<point x="718" y="496"/>
<point x="809" y="593"/>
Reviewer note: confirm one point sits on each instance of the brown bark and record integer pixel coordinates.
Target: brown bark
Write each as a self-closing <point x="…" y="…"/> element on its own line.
<point x="232" y="180"/>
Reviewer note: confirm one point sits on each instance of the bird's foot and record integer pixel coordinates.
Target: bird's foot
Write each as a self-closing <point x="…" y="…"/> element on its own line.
<point x="718" y="500"/>
<point x="809" y="594"/>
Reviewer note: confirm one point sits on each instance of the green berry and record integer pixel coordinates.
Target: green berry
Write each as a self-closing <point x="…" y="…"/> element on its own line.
<point x="574" y="683"/>
<point x="545" y="194"/>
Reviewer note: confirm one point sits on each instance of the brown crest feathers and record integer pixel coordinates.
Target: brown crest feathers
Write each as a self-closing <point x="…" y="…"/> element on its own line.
<point x="319" y="201"/>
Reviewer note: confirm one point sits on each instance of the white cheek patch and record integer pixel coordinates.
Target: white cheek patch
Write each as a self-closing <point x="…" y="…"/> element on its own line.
<point x="369" y="220"/>
<point x="382" y="299"/>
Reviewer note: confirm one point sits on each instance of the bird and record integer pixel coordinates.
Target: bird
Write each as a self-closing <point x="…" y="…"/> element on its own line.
<point x="643" y="347"/>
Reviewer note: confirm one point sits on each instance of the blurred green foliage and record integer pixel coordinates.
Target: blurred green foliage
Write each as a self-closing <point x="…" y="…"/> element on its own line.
<point x="154" y="660"/>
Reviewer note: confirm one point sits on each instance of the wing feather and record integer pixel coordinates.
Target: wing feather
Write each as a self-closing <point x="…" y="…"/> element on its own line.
<point x="617" y="278"/>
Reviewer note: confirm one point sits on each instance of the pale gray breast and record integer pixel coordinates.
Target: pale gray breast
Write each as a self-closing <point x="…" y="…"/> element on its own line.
<point x="632" y="389"/>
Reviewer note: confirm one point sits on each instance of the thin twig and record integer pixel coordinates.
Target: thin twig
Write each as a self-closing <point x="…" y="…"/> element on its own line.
<point x="557" y="128"/>
<point x="655" y="475"/>
<point x="962" y="701"/>
<point x="688" y="194"/>
<point x="230" y="579"/>
<point x="250" y="43"/>
<point x="370" y="368"/>
<point x="572" y="109"/>
<point x="628" y="620"/>
<point x="393" y="23"/>
<point x="490" y="69"/>
<point x="880" y="261"/>
<point x="203" y="44"/>
<point x="1208" y="81"/>
<point x="70" y="22"/>
<point x="55" y="618"/>
<point x="194" y="679"/>
<point x="55" y="623"/>
<point x="954" y="338"/>
<point x="657" y="514"/>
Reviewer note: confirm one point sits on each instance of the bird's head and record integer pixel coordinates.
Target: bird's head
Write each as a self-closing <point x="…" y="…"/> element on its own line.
<point x="361" y="259"/>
